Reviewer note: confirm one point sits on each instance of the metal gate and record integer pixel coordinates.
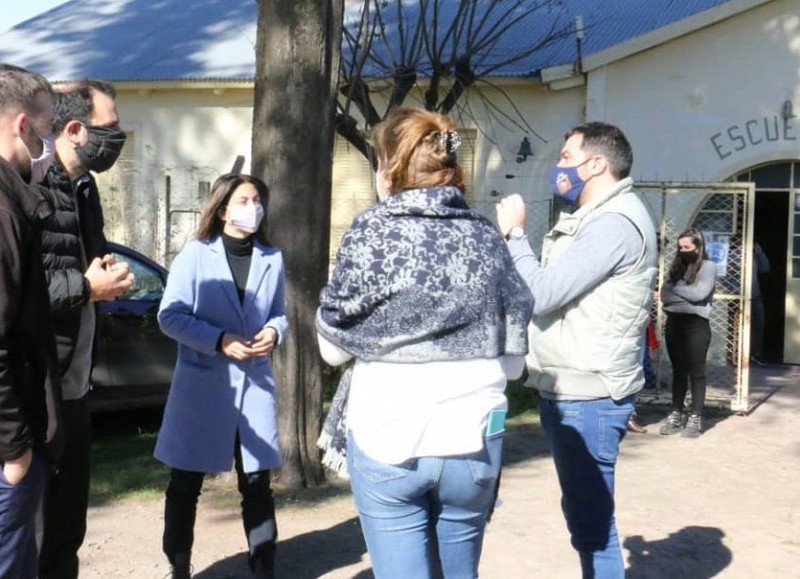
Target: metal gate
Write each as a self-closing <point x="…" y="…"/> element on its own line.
<point x="724" y="213"/>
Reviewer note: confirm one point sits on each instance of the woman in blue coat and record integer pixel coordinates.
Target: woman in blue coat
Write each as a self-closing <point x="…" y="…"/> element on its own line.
<point x="223" y="304"/>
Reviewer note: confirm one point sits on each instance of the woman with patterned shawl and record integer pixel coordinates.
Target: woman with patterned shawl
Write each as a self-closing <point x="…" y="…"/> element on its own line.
<point x="426" y="300"/>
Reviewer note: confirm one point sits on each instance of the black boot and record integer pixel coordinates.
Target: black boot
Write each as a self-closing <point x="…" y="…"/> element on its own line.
<point x="263" y="570"/>
<point x="181" y="567"/>
<point x="180" y="512"/>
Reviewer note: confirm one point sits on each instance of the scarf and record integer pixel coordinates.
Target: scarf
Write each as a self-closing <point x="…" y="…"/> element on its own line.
<point x="420" y="278"/>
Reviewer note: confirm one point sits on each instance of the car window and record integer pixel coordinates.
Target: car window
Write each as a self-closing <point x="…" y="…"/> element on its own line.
<point x="147" y="284"/>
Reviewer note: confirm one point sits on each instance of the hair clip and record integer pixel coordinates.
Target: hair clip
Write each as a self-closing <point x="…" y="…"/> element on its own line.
<point x="450" y="141"/>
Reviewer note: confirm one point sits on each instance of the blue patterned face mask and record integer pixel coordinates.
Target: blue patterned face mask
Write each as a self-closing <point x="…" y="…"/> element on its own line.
<point x="566" y="184"/>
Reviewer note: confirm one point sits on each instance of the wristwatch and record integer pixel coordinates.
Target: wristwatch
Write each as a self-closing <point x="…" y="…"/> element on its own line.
<point x="515" y="232"/>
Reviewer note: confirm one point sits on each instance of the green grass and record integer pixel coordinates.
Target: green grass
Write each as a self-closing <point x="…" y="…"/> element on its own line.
<point x="123" y="466"/>
<point x="220" y="490"/>
<point x="124" y="469"/>
<point x="523" y="404"/>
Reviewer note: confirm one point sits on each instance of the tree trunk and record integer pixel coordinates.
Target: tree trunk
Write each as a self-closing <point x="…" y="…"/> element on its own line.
<point x="297" y="53"/>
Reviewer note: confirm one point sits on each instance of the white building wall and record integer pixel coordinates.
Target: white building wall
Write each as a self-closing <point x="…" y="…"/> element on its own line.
<point x="182" y="140"/>
<point x="708" y="105"/>
<point x="699" y="108"/>
<point x="703" y="108"/>
<point x="192" y="136"/>
<point x="550" y="114"/>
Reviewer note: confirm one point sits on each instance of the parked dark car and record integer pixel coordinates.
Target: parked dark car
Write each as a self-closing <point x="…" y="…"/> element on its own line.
<point x="133" y="360"/>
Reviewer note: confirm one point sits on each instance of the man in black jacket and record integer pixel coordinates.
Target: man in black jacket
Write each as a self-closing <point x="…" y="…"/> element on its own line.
<point x="29" y="381"/>
<point x="79" y="273"/>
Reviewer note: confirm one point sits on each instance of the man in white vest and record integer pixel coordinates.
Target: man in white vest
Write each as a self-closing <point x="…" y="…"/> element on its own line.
<point x="592" y="289"/>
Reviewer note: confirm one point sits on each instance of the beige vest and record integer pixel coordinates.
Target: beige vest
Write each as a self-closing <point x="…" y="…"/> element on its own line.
<point x="593" y="346"/>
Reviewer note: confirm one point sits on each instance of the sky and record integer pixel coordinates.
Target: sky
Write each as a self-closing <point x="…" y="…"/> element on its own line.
<point x="13" y="11"/>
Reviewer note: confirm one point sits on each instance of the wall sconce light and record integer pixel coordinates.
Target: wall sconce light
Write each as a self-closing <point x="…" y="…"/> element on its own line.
<point x="525" y="150"/>
<point x="787" y="110"/>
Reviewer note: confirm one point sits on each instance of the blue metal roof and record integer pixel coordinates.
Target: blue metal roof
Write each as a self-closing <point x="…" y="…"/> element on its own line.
<point x="137" y="40"/>
<point x="609" y="23"/>
<point x="606" y="23"/>
<point x="146" y="40"/>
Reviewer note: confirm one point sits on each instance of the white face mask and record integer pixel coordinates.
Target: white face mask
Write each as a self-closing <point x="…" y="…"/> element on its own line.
<point x="245" y="217"/>
<point x="41" y="164"/>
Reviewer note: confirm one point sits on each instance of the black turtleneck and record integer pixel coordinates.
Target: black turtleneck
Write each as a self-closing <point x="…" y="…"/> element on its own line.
<point x="239" y="251"/>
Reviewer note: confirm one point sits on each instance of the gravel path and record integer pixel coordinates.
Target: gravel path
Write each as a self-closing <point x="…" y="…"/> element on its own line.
<point x="724" y="505"/>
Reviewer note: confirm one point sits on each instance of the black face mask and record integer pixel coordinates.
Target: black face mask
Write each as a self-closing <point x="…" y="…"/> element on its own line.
<point x="687" y="257"/>
<point x="102" y="149"/>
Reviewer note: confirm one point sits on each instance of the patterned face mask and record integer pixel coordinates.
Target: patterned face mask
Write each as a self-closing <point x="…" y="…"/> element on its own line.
<point x="566" y="183"/>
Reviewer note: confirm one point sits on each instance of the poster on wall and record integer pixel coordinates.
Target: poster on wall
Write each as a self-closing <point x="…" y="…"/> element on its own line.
<point x="718" y="249"/>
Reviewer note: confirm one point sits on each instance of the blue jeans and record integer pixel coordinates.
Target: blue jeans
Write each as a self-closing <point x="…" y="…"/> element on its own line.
<point x="584" y="438"/>
<point x="18" y="506"/>
<point x="425" y="518"/>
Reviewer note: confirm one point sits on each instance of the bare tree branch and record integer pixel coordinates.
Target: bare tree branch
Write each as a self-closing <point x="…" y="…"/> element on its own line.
<point x="518" y="121"/>
<point x="453" y="45"/>
<point x="465" y="78"/>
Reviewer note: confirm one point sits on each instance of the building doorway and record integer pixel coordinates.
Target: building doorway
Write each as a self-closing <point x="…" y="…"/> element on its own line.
<point x="775" y="225"/>
<point x="772" y="209"/>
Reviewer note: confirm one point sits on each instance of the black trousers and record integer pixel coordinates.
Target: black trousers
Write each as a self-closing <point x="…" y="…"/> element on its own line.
<point x="258" y="514"/>
<point x="688" y="337"/>
<point x="67" y="496"/>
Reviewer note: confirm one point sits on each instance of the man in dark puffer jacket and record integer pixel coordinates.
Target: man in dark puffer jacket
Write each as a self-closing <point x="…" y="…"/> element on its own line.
<point x="79" y="272"/>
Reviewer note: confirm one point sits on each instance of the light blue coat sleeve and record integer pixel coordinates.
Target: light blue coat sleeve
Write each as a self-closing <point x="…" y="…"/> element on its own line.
<point x="176" y="315"/>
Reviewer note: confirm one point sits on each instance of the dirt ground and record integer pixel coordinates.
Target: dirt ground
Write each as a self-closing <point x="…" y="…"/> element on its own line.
<point x="724" y="505"/>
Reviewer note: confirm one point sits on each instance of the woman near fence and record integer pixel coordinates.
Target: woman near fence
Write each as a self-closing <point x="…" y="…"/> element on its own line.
<point x="223" y="304"/>
<point x="686" y="298"/>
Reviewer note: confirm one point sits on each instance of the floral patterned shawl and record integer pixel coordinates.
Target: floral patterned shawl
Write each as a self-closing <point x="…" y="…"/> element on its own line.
<point x="419" y="278"/>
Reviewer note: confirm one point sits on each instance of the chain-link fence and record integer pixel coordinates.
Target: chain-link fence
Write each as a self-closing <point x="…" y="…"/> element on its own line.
<point x="155" y="206"/>
<point x="723" y="213"/>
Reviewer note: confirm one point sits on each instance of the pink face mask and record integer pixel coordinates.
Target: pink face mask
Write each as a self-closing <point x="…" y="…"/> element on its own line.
<point x="245" y="217"/>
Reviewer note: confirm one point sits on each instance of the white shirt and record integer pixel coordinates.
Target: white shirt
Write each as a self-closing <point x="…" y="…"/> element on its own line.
<point x="401" y="411"/>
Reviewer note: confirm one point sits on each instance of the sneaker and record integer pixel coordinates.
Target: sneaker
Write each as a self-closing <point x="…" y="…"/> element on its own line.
<point x="693" y="428"/>
<point x="674" y="423"/>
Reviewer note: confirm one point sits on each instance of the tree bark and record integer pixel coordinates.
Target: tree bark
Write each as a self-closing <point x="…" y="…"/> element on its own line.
<point x="297" y="52"/>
